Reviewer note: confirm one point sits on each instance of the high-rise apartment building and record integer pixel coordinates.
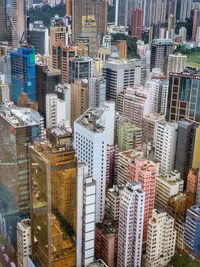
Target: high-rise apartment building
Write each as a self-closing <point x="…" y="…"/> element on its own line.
<point x="55" y="111"/>
<point x="160" y="50"/>
<point x="188" y="142"/>
<point x="158" y="95"/>
<point x="128" y="136"/>
<point x="184" y="9"/>
<point x="148" y="126"/>
<point x="196" y="23"/>
<point x="97" y="91"/>
<point x="19" y="127"/>
<point x="39" y="37"/>
<point x="23" y="72"/>
<point x="4" y="92"/>
<point x="120" y="74"/>
<point x="80" y="68"/>
<point x="184" y="96"/>
<point x="130" y="233"/>
<point x="132" y="166"/>
<point x="79" y="99"/>
<point x="112" y="202"/>
<point x="134" y="103"/>
<point x="161" y="239"/>
<point x="165" y="145"/>
<point x="122" y="48"/>
<point x="12" y="21"/>
<point x="54" y="207"/>
<point x="24" y="247"/>
<point x="46" y="81"/>
<point x="192" y="226"/>
<point x="86" y="202"/>
<point x="176" y="63"/>
<point x="93" y="131"/>
<point x="136" y="23"/>
<point x="106" y="234"/>
<point x="167" y="186"/>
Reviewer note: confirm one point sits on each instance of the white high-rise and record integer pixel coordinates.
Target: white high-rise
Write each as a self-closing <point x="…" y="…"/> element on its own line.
<point x="55" y="111"/>
<point x="24" y="249"/>
<point x="165" y="135"/>
<point x="161" y="239"/>
<point x="97" y="91"/>
<point x="86" y="199"/>
<point x="176" y="63"/>
<point x="131" y="218"/>
<point x="158" y="90"/>
<point x="93" y="132"/>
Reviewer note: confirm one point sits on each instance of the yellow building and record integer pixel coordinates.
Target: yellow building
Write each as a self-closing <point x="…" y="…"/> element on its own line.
<point x="53" y="171"/>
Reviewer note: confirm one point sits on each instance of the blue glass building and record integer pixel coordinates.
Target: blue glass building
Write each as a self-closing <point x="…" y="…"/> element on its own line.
<point x="23" y="72"/>
<point x="192" y="229"/>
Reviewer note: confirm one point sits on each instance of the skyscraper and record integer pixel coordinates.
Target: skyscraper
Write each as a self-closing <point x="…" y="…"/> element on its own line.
<point x="160" y="50"/>
<point x="80" y="68"/>
<point x="161" y="239"/>
<point x="93" y="131"/>
<point x="136" y="23"/>
<point x="184" y="96"/>
<point x="53" y="207"/>
<point x="19" y="127"/>
<point x="165" y="145"/>
<point x="130" y="233"/>
<point x="12" y="21"/>
<point x="23" y="72"/>
<point x="97" y="91"/>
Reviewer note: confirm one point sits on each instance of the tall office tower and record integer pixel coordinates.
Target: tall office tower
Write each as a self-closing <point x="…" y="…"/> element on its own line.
<point x="12" y="21"/>
<point x="85" y="235"/>
<point x="136" y="23"/>
<point x="101" y="16"/>
<point x="171" y="23"/>
<point x="160" y="50"/>
<point x="112" y="202"/>
<point x="93" y="131"/>
<point x="96" y="8"/>
<point x="158" y="95"/>
<point x="129" y="136"/>
<point x="39" y="37"/>
<point x="46" y="81"/>
<point x="196" y="23"/>
<point x="79" y="99"/>
<point x="148" y="126"/>
<point x="57" y="33"/>
<point x="167" y="186"/>
<point x="97" y="91"/>
<point x="198" y="35"/>
<point x="192" y="233"/>
<point x="165" y="145"/>
<point x="184" y="9"/>
<point x="119" y="74"/>
<point x="24" y="249"/>
<point x="54" y="207"/>
<point x="198" y="190"/>
<point x="135" y="104"/>
<point x="89" y="30"/>
<point x="106" y="234"/>
<point x="55" y="111"/>
<point x="19" y="128"/>
<point x="176" y="63"/>
<point x="80" y="68"/>
<point x="122" y="48"/>
<point x="161" y="239"/>
<point x="63" y="92"/>
<point x="111" y="166"/>
<point x="23" y="73"/>
<point x="188" y="142"/>
<point x="4" y="92"/>
<point x="130" y="233"/>
<point x="183" y="34"/>
<point x="61" y="58"/>
<point x="184" y="96"/>
<point x="132" y="166"/>
<point x="192" y="181"/>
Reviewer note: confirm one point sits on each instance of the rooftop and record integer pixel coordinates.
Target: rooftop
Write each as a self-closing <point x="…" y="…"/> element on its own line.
<point x="18" y="116"/>
<point x="97" y="263"/>
<point x="196" y="210"/>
